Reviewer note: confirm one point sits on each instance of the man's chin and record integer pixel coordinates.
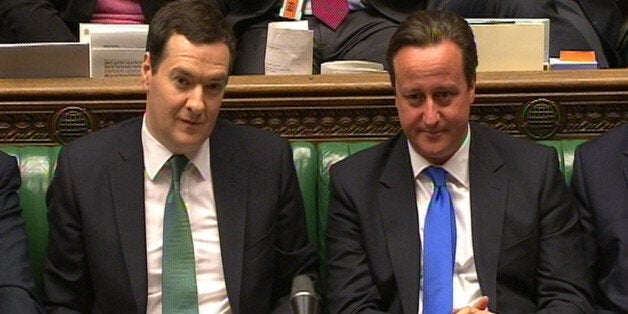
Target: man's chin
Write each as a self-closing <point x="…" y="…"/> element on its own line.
<point x="435" y="155"/>
<point x="187" y="144"/>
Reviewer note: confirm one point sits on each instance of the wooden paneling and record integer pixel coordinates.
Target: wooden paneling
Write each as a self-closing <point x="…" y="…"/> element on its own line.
<point x="540" y="105"/>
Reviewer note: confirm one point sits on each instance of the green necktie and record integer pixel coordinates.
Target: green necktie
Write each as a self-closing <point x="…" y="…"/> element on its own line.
<point x="179" y="294"/>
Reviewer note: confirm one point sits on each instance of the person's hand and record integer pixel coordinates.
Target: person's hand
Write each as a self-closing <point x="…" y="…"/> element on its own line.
<point x="481" y="306"/>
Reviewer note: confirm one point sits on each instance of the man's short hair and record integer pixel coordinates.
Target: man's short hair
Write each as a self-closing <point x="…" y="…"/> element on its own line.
<point x="198" y="21"/>
<point x="427" y="28"/>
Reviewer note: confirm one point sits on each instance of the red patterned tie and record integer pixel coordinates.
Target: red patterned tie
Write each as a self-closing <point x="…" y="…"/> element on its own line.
<point x="330" y="12"/>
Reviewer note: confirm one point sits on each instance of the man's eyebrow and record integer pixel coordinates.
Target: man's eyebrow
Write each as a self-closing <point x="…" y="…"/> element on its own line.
<point x="180" y="70"/>
<point x="218" y="77"/>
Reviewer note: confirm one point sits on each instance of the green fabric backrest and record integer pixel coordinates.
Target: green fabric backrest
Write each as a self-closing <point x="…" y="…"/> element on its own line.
<point x="569" y="150"/>
<point x="328" y="154"/>
<point x="565" y="150"/>
<point x="559" y="151"/>
<point x="312" y="163"/>
<point x="36" y="167"/>
<point x="306" y="165"/>
<point x="332" y="152"/>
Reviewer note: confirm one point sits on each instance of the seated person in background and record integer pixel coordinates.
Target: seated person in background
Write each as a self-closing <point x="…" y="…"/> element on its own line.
<point x="359" y="31"/>
<point x="569" y="29"/>
<point x="606" y="18"/>
<point x="622" y="46"/>
<point x="178" y="211"/>
<point x="600" y="184"/>
<point x="23" y="21"/>
<point x="362" y="34"/>
<point x="450" y="215"/>
<point x="16" y="279"/>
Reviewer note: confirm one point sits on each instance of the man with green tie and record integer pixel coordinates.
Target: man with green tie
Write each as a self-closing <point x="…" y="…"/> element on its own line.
<point x="177" y="211"/>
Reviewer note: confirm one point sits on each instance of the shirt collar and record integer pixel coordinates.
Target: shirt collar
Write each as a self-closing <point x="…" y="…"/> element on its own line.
<point x="457" y="165"/>
<point x="156" y="155"/>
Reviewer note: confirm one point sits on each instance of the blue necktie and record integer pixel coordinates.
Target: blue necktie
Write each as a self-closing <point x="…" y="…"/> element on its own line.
<point x="179" y="292"/>
<point x="439" y="247"/>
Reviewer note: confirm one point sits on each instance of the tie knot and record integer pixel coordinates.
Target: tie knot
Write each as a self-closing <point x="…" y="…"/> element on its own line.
<point x="438" y="175"/>
<point x="177" y="164"/>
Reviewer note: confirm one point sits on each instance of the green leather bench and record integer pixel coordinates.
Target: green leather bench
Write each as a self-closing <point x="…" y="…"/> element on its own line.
<point x="332" y="152"/>
<point x="37" y="167"/>
<point x="312" y="162"/>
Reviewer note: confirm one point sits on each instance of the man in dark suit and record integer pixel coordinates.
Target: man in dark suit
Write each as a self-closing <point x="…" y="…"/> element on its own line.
<point x="365" y="32"/>
<point x="607" y="18"/>
<point x="239" y="201"/>
<point x="600" y="184"/>
<point x="516" y="240"/>
<point x="16" y="279"/>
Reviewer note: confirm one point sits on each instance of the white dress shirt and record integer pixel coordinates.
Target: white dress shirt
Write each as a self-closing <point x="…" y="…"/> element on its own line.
<point x="465" y="282"/>
<point x="198" y="194"/>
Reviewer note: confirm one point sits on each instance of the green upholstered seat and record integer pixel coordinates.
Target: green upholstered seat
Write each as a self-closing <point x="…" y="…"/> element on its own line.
<point x="332" y="152"/>
<point x="565" y="150"/>
<point x="328" y="154"/>
<point x="569" y="150"/>
<point x="559" y="151"/>
<point x="312" y="162"/>
<point x="36" y="167"/>
<point x="306" y="165"/>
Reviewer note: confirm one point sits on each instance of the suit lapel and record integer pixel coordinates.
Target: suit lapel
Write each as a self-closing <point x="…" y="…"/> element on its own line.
<point x="400" y="222"/>
<point x="229" y="177"/>
<point x="489" y="190"/>
<point x="127" y="192"/>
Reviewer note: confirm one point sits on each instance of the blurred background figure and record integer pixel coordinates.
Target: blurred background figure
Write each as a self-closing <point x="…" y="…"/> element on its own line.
<point x="361" y="33"/>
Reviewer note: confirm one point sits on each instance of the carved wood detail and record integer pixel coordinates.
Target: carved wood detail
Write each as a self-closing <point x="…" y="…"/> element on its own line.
<point x="542" y="105"/>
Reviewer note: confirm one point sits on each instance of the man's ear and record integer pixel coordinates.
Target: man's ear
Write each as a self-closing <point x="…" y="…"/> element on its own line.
<point x="472" y="92"/>
<point x="147" y="71"/>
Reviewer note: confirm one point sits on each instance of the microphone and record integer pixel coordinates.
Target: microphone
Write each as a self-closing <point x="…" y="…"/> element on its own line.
<point x="303" y="297"/>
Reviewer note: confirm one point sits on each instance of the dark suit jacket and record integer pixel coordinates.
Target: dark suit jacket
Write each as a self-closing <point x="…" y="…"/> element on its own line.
<point x="96" y="260"/>
<point x="31" y="21"/>
<point x="606" y="17"/>
<point x="527" y="246"/>
<point x="600" y="183"/>
<point x="16" y="279"/>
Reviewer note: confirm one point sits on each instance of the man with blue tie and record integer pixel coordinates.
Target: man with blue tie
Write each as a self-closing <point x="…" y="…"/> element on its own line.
<point x="600" y="184"/>
<point x="450" y="216"/>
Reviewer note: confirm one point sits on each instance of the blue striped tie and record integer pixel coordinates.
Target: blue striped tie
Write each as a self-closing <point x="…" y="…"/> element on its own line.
<point x="439" y="247"/>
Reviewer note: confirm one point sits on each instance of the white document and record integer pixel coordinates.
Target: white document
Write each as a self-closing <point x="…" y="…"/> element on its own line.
<point x="289" y="48"/>
<point x="351" y="67"/>
<point x="511" y="44"/>
<point x="115" y="49"/>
